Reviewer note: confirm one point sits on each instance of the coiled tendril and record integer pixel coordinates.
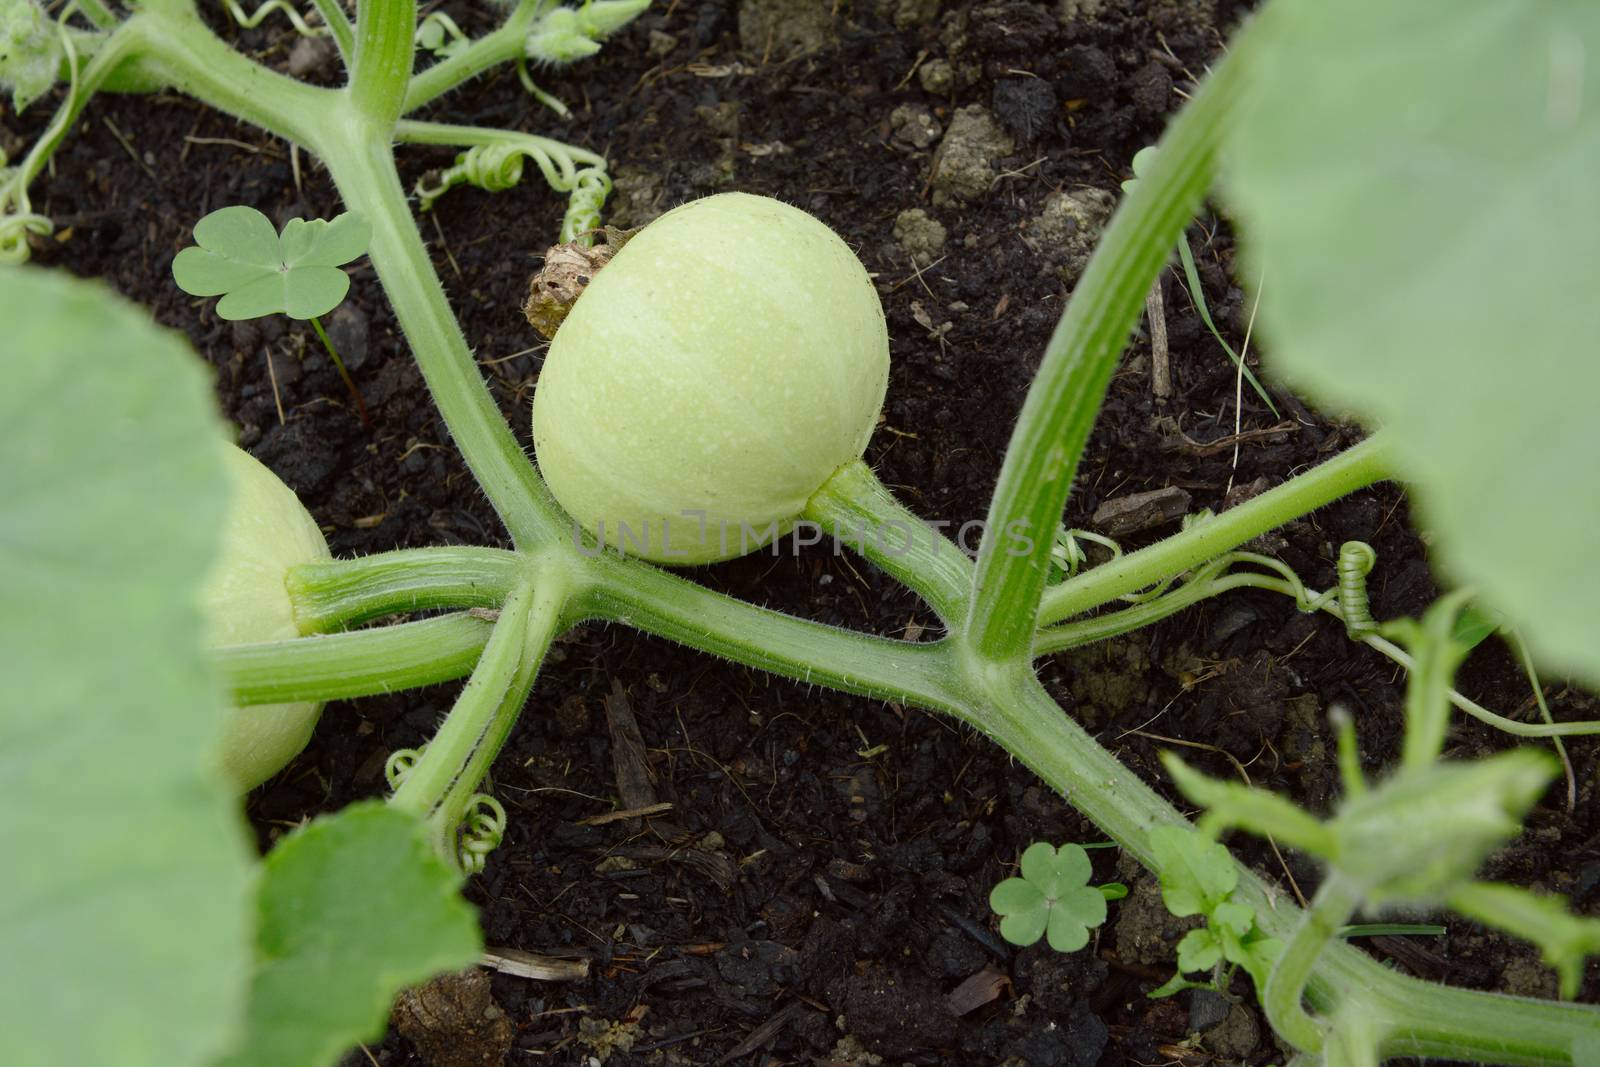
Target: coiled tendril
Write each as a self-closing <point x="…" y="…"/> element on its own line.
<point x="16" y="225"/>
<point x="482" y="830"/>
<point x="1356" y="560"/>
<point x="399" y="764"/>
<point x="497" y="167"/>
<point x="255" y="18"/>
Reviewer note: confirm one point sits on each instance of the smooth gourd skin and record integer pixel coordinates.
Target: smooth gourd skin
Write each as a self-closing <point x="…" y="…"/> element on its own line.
<point x="244" y="599"/>
<point x="728" y="360"/>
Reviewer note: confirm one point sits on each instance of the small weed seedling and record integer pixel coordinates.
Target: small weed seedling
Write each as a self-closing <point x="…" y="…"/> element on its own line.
<point x="1198" y="877"/>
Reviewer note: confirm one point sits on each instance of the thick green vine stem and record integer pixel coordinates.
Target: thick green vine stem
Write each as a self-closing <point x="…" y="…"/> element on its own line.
<point x="454" y="814"/>
<point x="431" y="777"/>
<point x="385" y="50"/>
<point x="1352" y="469"/>
<point x="356" y="664"/>
<point x="365" y="174"/>
<point x="980" y="674"/>
<point x="507" y="42"/>
<point x="1042" y="457"/>
<point x="861" y="514"/>
<point x="1336" y="901"/>
<point x="339" y="593"/>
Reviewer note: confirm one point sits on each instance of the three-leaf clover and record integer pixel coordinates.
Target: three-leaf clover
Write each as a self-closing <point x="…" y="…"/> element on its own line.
<point x="1052" y="899"/>
<point x="258" y="271"/>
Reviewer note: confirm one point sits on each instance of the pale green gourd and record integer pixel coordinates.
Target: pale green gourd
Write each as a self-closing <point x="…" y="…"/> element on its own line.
<point x="728" y="360"/>
<point x="265" y="532"/>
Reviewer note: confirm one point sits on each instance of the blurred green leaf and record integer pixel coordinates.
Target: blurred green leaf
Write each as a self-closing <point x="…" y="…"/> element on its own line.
<point x="1426" y="220"/>
<point x="124" y="911"/>
<point x="1564" y="939"/>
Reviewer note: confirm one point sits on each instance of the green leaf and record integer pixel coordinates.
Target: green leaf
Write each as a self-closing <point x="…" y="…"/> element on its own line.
<point x="1196" y="874"/>
<point x="1198" y="951"/>
<point x="1425" y="219"/>
<point x="1025" y="927"/>
<point x="1174" y="985"/>
<point x="1564" y="939"/>
<point x="1052" y="896"/>
<point x="1075" y="912"/>
<point x="124" y="918"/>
<point x="258" y="272"/>
<point x="1421" y="834"/>
<point x="1234" y="917"/>
<point x="1015" y="895"/>
<point x="30" y="51"/>
<point x="1474" y="625"/>
<point x="354" y="907"/>
<point x="1257" y="810"/>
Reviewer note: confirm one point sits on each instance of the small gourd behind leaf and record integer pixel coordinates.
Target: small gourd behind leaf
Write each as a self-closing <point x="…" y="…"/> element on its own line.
<point x="245" y="600"/>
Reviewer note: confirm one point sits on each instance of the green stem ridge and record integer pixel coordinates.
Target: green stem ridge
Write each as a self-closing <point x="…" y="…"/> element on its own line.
<point x="859" y="512"/>
<point x="1344" y="474"/>
<point x="1062" y="403"/>
<point x="447" y="754"/>
<point x="652" y="600"/>
<point x="356" y="664"/>
<point x="176" y="49"/>
<point x="1336" y="901"/>
<point x="385" y="50"/>
<point x="339" y="593"/>
<point x="545" y="622"/>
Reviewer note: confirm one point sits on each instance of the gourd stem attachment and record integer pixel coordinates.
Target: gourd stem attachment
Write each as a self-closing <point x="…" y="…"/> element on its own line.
<point x="862" y="514"/>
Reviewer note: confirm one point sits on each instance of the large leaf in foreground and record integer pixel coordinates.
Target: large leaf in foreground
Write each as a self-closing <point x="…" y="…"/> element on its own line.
<point x="1418" y="181"/>
<point x="354" y="907"/>
<point x="124" y="903"/>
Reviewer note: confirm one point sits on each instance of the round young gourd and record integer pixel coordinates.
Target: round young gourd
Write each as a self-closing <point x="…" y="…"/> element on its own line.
<point x="265" y="532"/>
<point x="715" y="373"/>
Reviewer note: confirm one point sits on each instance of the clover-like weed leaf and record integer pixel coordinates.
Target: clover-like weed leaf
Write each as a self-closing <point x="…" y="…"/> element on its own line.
<point x="258" y="271"/>
<point x="1052" y="899"/>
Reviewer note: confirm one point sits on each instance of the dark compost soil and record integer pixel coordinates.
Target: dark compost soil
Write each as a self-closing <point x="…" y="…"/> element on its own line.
<point x="818" y="889"/>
